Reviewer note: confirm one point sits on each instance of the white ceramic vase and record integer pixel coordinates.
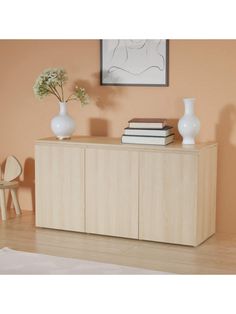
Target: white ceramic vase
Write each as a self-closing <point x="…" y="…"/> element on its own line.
<point x="189" y="125"/>
<point x="63" y="125"/>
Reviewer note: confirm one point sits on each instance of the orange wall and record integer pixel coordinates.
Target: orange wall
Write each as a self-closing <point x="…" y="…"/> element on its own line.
<point x="204" y="69"/>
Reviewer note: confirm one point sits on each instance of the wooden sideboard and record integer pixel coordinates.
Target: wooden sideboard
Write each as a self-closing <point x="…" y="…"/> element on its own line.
<point x="98" y="185"/>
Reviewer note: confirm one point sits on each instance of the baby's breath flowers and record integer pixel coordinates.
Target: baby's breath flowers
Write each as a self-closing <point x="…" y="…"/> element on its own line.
<point x="51" y="81"/>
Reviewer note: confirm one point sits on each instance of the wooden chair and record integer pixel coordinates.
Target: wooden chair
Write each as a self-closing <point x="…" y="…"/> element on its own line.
<point x="13" y="170"/>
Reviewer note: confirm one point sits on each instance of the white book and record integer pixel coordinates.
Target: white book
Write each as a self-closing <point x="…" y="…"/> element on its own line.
<point x="152" y="140"/>
<point x="167" y="130"/>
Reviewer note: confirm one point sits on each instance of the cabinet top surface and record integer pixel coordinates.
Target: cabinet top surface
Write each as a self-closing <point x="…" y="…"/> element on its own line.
<point x="116" y="142"/>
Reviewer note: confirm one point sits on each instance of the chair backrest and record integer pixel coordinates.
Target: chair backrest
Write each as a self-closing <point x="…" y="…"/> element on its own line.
<point x="12" y="169"/>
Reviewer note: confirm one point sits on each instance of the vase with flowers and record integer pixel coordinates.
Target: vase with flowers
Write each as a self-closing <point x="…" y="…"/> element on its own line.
<point x="51" y="82"/>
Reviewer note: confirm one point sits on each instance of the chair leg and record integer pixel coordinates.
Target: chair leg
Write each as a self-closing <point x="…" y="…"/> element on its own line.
<point x="3" y="205"/>
<point x="15" y="201"/>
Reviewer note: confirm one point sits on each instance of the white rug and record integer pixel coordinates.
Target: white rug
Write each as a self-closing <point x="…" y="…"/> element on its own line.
<point x="23" y="263"/>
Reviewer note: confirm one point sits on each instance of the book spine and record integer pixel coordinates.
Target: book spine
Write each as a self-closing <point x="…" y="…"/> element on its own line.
<point x="130" y="139"/>
<point x="144" y="132"/>
<point x="136" y="125"/>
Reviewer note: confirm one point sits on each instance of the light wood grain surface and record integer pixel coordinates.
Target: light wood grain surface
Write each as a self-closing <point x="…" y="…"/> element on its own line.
<point x="168" y="197"/>
<point x="98" y="185"/>
<point x="12" y="170"/>
<point x="112" y="192"/>
<point x="206" y="213"/>
<point x="60" y="187"/>
<point x="86" y="141"/>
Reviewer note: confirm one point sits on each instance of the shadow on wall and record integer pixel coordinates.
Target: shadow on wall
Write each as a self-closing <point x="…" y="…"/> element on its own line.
<point x="2" y="167"/>
<point x="98" y="127"/>
<point x="174" y="123"/>
<point x="29" y="179"/>
<point x="226" y="187"/>
<point x="104" y="97"/>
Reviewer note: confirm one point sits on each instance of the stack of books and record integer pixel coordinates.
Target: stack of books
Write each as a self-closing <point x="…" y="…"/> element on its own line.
<point x="148" y="131"/>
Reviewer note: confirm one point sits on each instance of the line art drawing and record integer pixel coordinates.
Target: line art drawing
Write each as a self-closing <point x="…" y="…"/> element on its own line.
<point x="134" y="62"/>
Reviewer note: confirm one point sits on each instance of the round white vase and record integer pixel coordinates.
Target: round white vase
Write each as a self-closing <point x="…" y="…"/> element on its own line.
<point x="63" y="125"/>
<point x="189" y="125"/>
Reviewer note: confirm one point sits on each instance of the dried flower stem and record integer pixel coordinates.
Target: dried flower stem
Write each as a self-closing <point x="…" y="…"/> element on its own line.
<point x="51" y="90"/>
<point x="62" y="92"/>
<point x="69" y="98"/>
<point x="56" y="91"/>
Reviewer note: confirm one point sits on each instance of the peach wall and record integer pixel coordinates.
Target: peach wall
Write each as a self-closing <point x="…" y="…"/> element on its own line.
<point x="205" y="69"/>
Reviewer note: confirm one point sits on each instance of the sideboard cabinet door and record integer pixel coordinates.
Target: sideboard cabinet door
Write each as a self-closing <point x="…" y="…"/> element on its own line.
<point x="112" y="192"/>
<point x="168" y="197"/>
<point x="60" y="187"/>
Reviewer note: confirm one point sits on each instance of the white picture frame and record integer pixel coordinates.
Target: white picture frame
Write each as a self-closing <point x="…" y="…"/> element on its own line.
<point x="134" y="62"/>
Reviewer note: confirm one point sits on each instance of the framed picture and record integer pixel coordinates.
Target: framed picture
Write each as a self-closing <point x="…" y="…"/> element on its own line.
<point x="134" y="62"/>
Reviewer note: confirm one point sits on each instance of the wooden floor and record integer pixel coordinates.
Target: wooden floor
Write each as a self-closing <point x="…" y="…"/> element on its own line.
<point x="216" y="256"/>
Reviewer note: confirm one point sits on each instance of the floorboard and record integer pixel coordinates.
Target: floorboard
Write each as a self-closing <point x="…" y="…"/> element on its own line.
<point x="217" y="255"/>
